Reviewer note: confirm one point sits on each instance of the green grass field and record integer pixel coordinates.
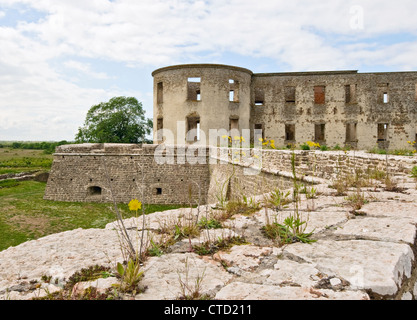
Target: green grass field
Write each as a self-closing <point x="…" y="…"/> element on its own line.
<point x="21" y="160"/>
<point x="24" y="215"/>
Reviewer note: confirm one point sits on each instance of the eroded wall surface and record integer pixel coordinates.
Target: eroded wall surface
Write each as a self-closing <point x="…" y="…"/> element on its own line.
<point x="353" y="108"/>
<point x="103" y="172"/>
<point x="184" y="174"/>
<point x="345" y="108"/>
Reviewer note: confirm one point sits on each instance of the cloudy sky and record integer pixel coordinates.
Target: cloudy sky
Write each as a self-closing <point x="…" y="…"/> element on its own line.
<point x="60" y="57"/>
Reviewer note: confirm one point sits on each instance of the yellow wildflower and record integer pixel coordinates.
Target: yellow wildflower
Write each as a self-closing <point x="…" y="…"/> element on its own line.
<point x="135" y="205"/>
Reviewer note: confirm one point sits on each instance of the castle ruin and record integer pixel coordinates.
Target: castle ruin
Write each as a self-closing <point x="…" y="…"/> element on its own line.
<point x="333" y="108"/>
<point x="345" y="108"/>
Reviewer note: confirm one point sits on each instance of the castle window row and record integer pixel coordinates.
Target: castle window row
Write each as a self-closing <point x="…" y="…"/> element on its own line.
<point x="194" y="93"/>
<point x="383" y="96"/>
<point x="320" y="132"/>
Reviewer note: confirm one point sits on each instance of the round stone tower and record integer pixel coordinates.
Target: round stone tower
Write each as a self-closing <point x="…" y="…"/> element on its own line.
<point x="189" y="100"/>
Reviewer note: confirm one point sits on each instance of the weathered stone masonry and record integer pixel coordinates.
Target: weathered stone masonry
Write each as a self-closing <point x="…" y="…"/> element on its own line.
<point x="95" y="172"/>
<point x="101" y="172"/>
<point x="332" y="108"/>
<point x="362" y="110"/>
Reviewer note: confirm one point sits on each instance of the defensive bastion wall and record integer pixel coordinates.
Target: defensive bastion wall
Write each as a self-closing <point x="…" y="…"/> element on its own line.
<point x="183" y="174"/>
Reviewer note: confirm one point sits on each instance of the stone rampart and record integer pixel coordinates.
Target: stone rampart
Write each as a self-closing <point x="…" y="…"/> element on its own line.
<point x="183" y="174"/>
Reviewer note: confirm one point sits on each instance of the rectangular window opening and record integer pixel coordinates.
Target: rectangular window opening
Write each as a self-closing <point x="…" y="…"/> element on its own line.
<point x="383" y="93"/>
<point x="193" y="129"/>
<point x="351" y="135"/>
<point x="319" y="95"/>
<point x="290" y="94"/>
<point x="259" y="97"/>
<point x="194" y="89"/>
<point x="234" y="124"/>
<point x="158" y="191"/>
<point x="350" y="93"/>
<point x="382" y="131"/>
<point x="233" y="90"/>
<point x="290" y="132"/>
<point x="160" y="93"/>
<point x="159" y="127"/>
<point x="319" y="132"/>
<point x="194" y="79"/>
<point x="385" y="98"/>
<point x="260" y="126"/>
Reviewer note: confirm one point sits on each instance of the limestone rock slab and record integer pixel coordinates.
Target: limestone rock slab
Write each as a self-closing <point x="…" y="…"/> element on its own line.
<point x="393" y="209"/>
<point x="374" y="265"/>
<point x="248" y="291"/>
<point x="246" y="257"/>
<point x="163" y="276"/>
<point x="382" y="229"/>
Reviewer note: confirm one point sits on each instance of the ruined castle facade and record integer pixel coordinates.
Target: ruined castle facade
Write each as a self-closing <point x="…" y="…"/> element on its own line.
<point x="332" y="108"/>
<point x="360" y="110"/>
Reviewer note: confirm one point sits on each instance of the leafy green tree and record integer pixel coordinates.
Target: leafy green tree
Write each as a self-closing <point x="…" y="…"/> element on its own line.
<point x="120" y="120"/>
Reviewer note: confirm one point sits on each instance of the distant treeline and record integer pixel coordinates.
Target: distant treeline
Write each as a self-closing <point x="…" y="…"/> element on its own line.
<point x="48" y="147"/>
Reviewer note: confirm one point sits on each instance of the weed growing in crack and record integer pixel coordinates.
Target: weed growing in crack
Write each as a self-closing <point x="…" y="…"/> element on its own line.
<point x="130" y="276"/>
<point x="356" y="200"/>
<point x="285" y="232"/>
<point x="191" y="290"/>
<point x="210" y="248"/>
<point x="70" y="292"/>
<point x="212" y="223"/>
<point x="413" y="172"/>
<point x="293" y="227"/>
<point x="278" y="199"/>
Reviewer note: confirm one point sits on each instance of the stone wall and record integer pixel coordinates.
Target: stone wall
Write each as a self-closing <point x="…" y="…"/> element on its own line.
<point x="329" y="164"/>
<point x="349" y="101"/>
<point x="101" y="172"/>
<point x="361" y="110"/>
<point x="310" y="167"/>
<point x="229" y="182"/>
<point x="174" y="175"/>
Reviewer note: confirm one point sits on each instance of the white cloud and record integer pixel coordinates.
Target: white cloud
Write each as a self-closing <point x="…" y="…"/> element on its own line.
<point x="160" y="32"/>
<point x="300" y="34"/>
<point x="85" y="68"/>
